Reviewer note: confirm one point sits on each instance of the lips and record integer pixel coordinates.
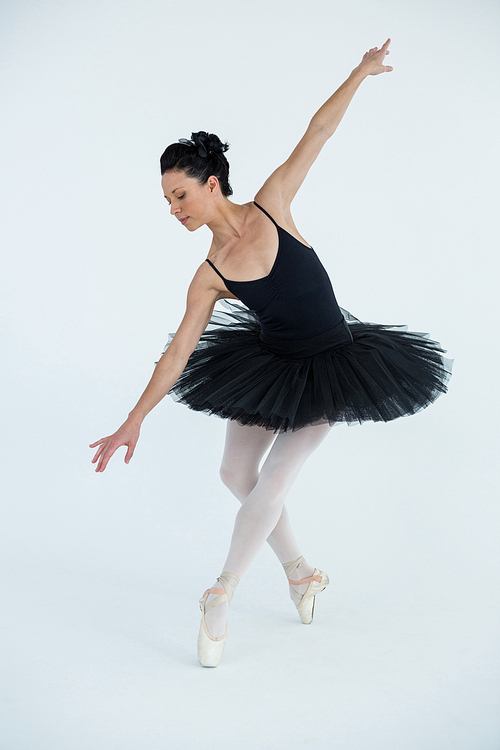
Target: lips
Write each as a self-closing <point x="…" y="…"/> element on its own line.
<point x="183" y="221"/>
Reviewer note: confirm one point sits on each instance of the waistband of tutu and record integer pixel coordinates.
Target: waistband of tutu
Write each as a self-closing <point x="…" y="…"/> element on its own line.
<point x="339" y="335"/>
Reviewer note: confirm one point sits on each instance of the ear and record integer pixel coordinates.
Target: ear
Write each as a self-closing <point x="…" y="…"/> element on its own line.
<point x="213" y="184"/>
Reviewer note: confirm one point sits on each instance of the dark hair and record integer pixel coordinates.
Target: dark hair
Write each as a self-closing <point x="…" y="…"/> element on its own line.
<point x="200" y="157"/>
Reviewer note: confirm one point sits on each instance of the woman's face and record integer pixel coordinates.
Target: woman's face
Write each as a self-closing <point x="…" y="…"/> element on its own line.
<point x="191" y="203"/>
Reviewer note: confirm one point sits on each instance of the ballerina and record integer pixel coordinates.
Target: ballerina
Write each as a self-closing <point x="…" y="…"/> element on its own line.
<point x="283" y="362"/>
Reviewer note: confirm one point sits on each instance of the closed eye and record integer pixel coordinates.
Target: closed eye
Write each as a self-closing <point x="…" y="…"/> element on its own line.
<point x="180" y="198"/>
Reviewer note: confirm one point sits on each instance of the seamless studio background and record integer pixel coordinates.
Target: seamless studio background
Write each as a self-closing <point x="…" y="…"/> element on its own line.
<point x="102" y="573"/>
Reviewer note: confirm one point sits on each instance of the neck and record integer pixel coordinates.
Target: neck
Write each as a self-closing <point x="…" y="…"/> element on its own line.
<point x="228" y="221"/>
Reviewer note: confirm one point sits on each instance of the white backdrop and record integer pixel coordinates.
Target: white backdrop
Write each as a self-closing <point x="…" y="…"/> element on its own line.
<point x="102" y="573"/>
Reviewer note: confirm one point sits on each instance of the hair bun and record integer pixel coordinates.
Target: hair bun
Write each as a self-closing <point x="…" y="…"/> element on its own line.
<point x="199" y="158"/>
<point x="206" y="143"/>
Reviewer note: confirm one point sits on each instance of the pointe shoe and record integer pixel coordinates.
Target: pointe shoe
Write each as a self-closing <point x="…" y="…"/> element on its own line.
<point x="317" y="583"/>
<point x="210" y="649"/>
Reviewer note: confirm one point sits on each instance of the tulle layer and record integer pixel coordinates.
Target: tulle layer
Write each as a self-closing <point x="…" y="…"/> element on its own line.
<point x="354" y="373"/>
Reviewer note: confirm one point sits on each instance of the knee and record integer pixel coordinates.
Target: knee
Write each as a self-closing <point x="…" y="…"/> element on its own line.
<point x="239" y="482"/>
<point x="277" y="479"/>
<point x="227" y="476"/>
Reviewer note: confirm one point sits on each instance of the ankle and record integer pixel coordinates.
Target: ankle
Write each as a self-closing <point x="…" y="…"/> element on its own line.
<point x="216" y="617"/>
<point x="298" y="569"/>
<point x="229" y="582"/>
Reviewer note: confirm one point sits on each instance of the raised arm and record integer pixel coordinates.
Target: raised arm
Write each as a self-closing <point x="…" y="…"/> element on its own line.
<point x="201" y="299"/>
<point x="284" y="183"/>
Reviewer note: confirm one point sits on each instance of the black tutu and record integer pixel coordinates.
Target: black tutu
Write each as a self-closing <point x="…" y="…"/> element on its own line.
<point x="354" y="373"/>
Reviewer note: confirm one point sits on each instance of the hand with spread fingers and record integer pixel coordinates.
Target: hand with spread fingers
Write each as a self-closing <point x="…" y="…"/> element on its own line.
<point x="127" y="434"/>
<point x="372" y="62"/>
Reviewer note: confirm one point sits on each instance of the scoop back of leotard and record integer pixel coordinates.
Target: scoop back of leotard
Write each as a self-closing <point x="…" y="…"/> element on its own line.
<point x="296" y="299"/>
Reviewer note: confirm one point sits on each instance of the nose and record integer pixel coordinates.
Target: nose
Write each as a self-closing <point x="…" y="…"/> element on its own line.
<point x="173" y="209"/>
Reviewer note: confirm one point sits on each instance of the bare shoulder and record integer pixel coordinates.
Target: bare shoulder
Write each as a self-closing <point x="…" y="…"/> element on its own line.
<point x="207" y="285"/>
<point x="269" y="197"/>
<point x="205" y="281"/>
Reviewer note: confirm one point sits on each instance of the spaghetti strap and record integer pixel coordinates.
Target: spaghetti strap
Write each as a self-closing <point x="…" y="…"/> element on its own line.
<point x="216" y="271"/>
<point x="269" y="215"/>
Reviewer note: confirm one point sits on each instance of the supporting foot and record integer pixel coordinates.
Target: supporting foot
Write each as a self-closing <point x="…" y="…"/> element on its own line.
<point x="210" y="647"/>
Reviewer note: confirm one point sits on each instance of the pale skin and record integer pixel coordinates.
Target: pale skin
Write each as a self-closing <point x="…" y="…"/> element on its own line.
<point x="244" y="244"/>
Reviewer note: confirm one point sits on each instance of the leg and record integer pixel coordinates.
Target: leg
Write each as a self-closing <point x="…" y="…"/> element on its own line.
<point x="243" y="452"/>
<point x="262" y="508"/>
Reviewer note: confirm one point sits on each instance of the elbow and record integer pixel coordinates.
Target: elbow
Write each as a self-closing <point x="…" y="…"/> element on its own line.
<point x="177" y="356"/>
<point x="320" y="128"/>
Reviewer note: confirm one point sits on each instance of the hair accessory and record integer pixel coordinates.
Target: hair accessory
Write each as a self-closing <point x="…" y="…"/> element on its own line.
<point x="201" y="142"/>
<point x="201" y="148"/>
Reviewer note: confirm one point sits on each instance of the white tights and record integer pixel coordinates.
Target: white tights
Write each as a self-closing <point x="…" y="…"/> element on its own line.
<point x="263" y="515"/>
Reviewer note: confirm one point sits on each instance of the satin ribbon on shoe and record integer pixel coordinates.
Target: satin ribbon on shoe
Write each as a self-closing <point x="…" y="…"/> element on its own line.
<point x="317" y="583"/>
<point x="210" y="649"/>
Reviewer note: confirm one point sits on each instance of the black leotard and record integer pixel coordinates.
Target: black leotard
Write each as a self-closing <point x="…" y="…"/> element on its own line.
<point x="296" y="299"/>
<point x="290" y="357"/>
